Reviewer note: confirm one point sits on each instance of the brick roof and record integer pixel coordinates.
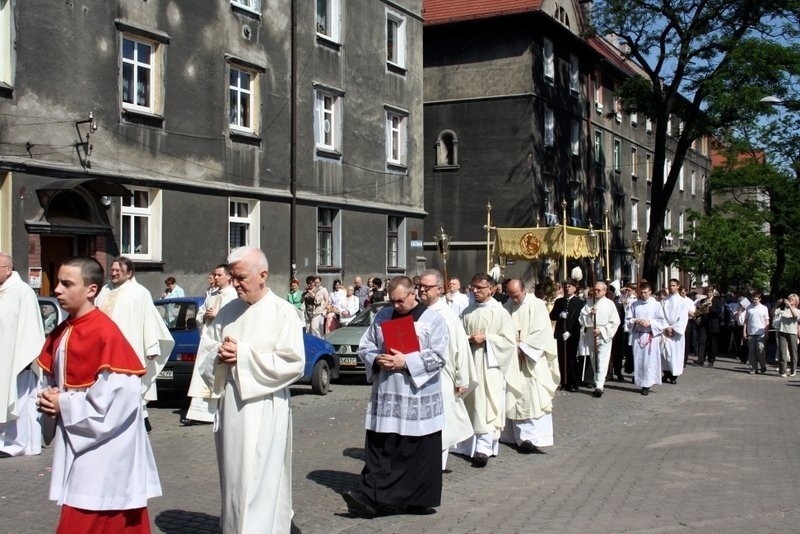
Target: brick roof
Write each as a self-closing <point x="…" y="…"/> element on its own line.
<point x="444" y="11"/>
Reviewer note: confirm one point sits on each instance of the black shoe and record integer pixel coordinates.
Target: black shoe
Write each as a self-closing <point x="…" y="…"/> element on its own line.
<point x="620" y="378"/>
<point x="711" y="364"/>
<point x="4" y="454"/>
<point x="698" y="363"/>
<point x="645" y="391"/>
<point x="526" y="447"/>
<point x="673" y="380"/>
<point x="359" y="504"/>
<point x="192" y="422"/>
<point x="480" y="460"/>
<point x="572" y="389"/>
<point x="147" y="425"/>
<point x="421" y="510"/>
<point x="597" y="393"/>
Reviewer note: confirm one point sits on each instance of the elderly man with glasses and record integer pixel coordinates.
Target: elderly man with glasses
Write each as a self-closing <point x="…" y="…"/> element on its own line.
<point x="494" y="349"/>
<point x="21" y="339"/>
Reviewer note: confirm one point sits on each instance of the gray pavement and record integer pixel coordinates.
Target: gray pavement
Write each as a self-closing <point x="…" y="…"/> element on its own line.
<point x="718" y="452"/>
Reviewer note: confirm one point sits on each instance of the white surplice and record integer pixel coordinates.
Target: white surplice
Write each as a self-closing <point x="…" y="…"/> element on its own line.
<point x="204" y="404"/>
<point x="21" y="339"/>
<point x="646" y="341"/>
<point x="606" y="319"/>
<point x="253" y="430"/>
<point x="102" y="458"/>
<point x="459" y="371"/>
<point x="131" y="307"/>
<point x="676" y="315"/>
<point x="533" y="382"/>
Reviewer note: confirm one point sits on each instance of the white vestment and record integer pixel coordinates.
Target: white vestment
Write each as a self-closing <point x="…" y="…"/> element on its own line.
<point x="459" y="371"/>
<point x="253" y="430"/>
<point x="458" y="302"/>
<point x="21" y="340"/>
<point x="533" y="382"/>
<point x="646" y="341"/>
<point x="131" y="307"/>
<point x="204" y="403"/>
<point x="102" y="425"/>
<point x="492" y="359"/>
<point x="676" y="315"/>
<point x="606" y="319"/>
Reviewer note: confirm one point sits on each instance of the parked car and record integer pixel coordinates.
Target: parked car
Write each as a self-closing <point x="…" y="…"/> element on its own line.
<point x="345" y="339"/>
<point x="52" y="313"/>
<point x="180" y="316"/>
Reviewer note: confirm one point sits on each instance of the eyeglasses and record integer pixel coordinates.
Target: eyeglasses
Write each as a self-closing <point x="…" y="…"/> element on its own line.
<point x="423" y="287"/>
<point x="480" y="288"/>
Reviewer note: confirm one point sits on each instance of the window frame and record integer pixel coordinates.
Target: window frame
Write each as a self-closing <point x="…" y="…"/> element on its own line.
<point x="245" y="5"/>
<point x="548" y="61"/>
<point x="575" y="138"/>
<point x="155" y="73"/>
<point x="395" y="235"/>
<point x="397" y="57"/>
<point x="152" y="214"/>
<point x="6" y="45"/>
<point x="634" y="162"/>
<point x="252" y="220"/>
<point x="401" y="159"/>
<point x="549" y="136"/>
<point x="251" y="91"/>
<point x="453" y="152"/>
<point x="693" y="182"/>
<point x="574" y="74"/>
<point x="333" y="228"/>
<point x="334" y="114"/>
<point x="617" y="155"/>
<point x="333" y="16"/>
<point x="635" y="215"/>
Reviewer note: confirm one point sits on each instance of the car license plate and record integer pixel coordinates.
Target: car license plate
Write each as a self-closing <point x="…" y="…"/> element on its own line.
<point x="165" y="374"/>
<point x="348" y="361"/>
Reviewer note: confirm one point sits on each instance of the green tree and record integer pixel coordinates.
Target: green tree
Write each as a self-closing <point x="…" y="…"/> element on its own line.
<point x="709" y="62"/>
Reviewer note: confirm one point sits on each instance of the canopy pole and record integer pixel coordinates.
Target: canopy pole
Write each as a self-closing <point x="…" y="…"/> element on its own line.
<point x="488" y="236"/>
<point x="608" y="238"/>
<point x="564" y="220"/>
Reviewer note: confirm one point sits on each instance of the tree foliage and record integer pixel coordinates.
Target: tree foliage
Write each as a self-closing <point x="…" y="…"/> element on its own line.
<point x="709" y="62"/>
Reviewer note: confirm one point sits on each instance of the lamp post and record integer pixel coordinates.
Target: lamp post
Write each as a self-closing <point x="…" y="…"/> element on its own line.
<point x="443" y="244"/>
<point x="637" y="245"/>
<point x="593" y="247"/>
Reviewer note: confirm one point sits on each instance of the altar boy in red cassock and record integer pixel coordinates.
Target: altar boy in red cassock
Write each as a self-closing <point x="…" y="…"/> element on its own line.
<point x="103" y="465"/>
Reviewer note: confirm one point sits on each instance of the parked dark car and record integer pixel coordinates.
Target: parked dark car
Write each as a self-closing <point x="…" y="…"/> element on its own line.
<point x="180" y="316"/>
<point x="345" y="339"/>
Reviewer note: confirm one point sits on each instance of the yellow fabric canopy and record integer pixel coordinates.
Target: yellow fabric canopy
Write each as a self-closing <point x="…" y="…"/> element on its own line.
<point x="547" y="242"/>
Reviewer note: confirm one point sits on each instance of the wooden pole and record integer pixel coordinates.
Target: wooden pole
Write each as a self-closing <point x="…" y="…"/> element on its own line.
<point x="607" y="240"/>
<point x="564" y="220"/>
<point x="488" y="236"/>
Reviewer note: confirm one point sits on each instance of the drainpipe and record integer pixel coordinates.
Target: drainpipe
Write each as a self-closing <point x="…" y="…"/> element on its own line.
<point x="293" y="148"/>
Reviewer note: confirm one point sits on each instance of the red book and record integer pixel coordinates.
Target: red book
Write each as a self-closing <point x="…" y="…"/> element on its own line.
<point x="400" y="334"/>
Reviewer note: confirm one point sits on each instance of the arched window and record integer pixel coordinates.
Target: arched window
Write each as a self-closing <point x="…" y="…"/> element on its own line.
<point x="447" y="150"/>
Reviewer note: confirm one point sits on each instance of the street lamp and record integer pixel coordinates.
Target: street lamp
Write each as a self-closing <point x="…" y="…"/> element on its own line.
<point x="443" y="244"/>
<point x="637" y="245"/>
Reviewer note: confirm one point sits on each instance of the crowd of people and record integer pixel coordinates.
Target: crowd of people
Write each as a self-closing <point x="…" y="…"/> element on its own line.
<point x="451" y="372"/>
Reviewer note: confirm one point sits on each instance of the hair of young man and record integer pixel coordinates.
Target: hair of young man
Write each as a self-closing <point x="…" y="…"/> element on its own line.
<point x="399" y="281"/>
<point x="482" y="277"/>
<point x="253" y="254"/>
<point x="671" y="280"/>
<point x="377" y="281"/>
<point x="224" y="266"/>
<point x="435" y="273"/>
<point x="91" y="270"/>
<point x="644" y="285"/>
<point x="310" y="279"/>
<point x="127" y="262"/>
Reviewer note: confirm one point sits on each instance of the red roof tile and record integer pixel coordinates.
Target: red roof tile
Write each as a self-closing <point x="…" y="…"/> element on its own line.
<point x="444" y="11"/>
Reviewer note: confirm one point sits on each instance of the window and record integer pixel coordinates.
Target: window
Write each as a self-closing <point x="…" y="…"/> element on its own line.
<point x="328" y="120"/>
<point x="328" y="22"/>
<point x="634" y="119"/>
<point x="242" y="92"/>
<point x="140" y="74"/>
<point x="549" y="127"/>
<point x="447" y="149"/>
<point x="549" y="62"/>
<point x="5" y="43"/>
<point x="634" y="162"/>
<point x="243" y="223"/>
<point x="396" y="125"/>
<point x="619" y="210"/>
<point x="647" y="218"/>
<point x="328" y="237"/>
<point x="598" y="92"/>
<point x="395" y="239"/>
<point x="250" y="5"/>
<point x="648" y="125"/>
<point x="680" y="225"/>
<point x="680" y="179"/>
<point x="617" y="155"/>
<point x="574" y="74"/>
<point x="618" y="109"/>
<point x="140" y="223"/>
<point x="599" y="207"/>
<point x="648" y="167"/>
<point x="667" y="168"/>
<point x="693" y="182"/>
<point x="634" y="215"/>
<point x="669" y="126"/>
<point x="575" y="138"/>
<point x="395" y="40"/>
<point x="598" y="147"/>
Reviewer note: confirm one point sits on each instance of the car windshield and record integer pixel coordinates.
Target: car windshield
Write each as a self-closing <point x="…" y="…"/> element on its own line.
<point x="178" y="315"/>
<point x="365" y="317"/>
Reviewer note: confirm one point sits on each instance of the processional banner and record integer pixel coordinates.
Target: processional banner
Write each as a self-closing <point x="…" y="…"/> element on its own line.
<point x="546" y="242"/>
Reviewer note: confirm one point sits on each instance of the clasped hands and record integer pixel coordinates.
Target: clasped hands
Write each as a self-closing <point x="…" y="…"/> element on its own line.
<point x="48" y="401"/>
<point x="227" y="351"/>
<point x="396" y="361"/>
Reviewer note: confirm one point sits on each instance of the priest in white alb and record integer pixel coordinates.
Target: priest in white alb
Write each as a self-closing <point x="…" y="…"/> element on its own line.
<point x="494" y="349"/>
<point x="458" y="375"/>
<point x="533" y="382"/>
<point x="21" y="339"/>
<point x="646" y="322"/>
<point x="249" y="356"/>
<point x="131" y="307"/>
<point x="600" y="320"/>
<point x="676" y="315"/>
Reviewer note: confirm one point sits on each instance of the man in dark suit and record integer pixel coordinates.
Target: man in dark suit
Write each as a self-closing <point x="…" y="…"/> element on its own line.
<point x="566" y="312"/>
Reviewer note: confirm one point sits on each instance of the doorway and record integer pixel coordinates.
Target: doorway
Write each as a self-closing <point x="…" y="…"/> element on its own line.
<point x="55" y="249"/>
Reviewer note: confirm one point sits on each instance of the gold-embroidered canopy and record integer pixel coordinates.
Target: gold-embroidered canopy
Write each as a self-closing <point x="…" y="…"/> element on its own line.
<point x="545" y="242"/>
